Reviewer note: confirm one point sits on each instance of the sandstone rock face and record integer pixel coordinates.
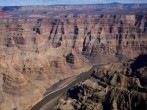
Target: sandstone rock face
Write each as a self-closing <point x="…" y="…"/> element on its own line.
<point x="29" y="62"/>
<point x="111" y="87"/>
<point x="14" y="82"/>
<point x="38" y="52"/>
<point x="100" y="38"/>
<point x="5" y="103"/>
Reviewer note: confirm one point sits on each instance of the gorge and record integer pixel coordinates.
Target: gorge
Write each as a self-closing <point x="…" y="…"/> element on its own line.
<point x="37" y="52"/>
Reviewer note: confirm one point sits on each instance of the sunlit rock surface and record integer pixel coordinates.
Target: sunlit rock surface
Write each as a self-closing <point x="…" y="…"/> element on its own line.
<point x="37" y="52"/>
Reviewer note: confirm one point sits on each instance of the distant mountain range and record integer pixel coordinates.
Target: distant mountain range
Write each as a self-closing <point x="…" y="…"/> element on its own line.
<point x="113" y="3"/>
<point x="13" y="8"/>
<point x="54" y="10"/>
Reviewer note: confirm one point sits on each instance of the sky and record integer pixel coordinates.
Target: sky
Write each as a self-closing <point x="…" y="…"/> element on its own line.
<point x="61" y="2"/>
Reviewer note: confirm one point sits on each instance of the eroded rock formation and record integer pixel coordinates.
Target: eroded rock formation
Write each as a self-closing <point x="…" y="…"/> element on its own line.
<point x="111" y="87"/>
<point x="14" y="82"/>
<point x="38" y="52"/>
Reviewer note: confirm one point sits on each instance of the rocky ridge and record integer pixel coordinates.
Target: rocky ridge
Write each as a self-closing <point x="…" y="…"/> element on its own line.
<point x="110" y="87"/>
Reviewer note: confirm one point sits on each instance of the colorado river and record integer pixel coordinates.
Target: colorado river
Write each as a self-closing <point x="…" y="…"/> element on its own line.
<point x="62" y="90"/>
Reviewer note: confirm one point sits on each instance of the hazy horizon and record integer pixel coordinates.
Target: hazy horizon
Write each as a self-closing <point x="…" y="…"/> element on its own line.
<point x="63" y="2"/>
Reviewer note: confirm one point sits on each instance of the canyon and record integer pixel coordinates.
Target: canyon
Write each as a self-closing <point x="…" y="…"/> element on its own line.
<point x="38" y="51"/>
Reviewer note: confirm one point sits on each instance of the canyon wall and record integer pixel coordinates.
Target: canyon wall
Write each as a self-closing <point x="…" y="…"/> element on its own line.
<point x="38" y="52"/>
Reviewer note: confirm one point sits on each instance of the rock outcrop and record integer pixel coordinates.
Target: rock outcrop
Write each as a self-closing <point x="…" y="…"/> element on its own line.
<point x="110" y="87"/>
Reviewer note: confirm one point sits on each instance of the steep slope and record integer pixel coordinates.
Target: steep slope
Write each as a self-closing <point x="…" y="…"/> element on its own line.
<point x="38" y="52"/>
<point x="111" y="87"/>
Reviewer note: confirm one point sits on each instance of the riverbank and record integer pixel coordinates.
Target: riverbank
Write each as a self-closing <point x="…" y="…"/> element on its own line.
<point x="62" y="90"/>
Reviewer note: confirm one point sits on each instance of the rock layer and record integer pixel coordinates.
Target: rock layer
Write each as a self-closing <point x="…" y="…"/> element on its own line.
<point x="38" y="52"/>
